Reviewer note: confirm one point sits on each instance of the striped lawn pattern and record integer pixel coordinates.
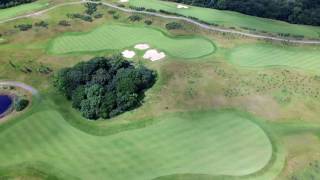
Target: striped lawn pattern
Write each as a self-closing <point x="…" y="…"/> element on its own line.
<point x="265" y="55"/>
<point x="117" y="37"/>
<point x="231" y="19"/>
<point x="215" y="143"/>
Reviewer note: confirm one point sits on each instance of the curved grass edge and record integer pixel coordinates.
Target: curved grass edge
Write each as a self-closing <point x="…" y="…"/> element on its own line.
<point x="50" y="44"/>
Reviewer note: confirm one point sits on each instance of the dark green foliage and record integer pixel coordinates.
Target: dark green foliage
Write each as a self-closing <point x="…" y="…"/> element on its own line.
<point x="148" y="22"/>
<point x="41" y="24"/>
<point x="104" y="87"/>
<point x="64" y="23"/>
<point x="21" y="104"/>
<point x="23" y="27"/>
<point x="11" y="3"/>
<point x="80" y="16"/>
<point x="296" y="11"/>
<point x="135" y="18"/>
<point x="91" y="8"/>
<point x="97" y="16"/>
<point x="173" y="25"/>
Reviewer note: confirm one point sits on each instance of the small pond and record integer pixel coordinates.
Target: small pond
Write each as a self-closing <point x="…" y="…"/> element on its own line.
<point x="5" y="103"/>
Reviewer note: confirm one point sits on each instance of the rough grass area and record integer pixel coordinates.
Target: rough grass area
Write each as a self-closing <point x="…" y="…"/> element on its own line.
<point x="117" y="37"/>
<point x="261" y="55"/>
<point x="21" y="9"/>
<point x="179" y="143"/>
<point x="231" y="19"/>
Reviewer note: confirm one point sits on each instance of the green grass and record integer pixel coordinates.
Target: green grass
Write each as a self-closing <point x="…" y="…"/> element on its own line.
<point x="117" y="37"/>
<point x="208" y="142"/>
<point x="21" y="9"/>
<point x="262" y="55"/>
<point x="231" y="19"/>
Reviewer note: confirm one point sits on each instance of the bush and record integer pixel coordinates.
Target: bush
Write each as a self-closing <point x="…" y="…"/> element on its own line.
<point x="21" y="104"/>
<point x="135" y="18"/>
<point x="148" y="22"/>
<point x="64" y="23"/>
<point x="104" y="87"/>
<point x="23" y="27"/>
<point x="173" y="25"/>
<point x="97" y="16"/>
<point x="41" y="24"/>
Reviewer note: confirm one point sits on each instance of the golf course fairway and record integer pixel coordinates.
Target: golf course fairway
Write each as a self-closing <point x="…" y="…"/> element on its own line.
<point x="230" y="19"/>
<point x="117" y="37"/>
<point x="21" y="9"/>
<point x="179" y="143"/>
<point x="266" y="55"/>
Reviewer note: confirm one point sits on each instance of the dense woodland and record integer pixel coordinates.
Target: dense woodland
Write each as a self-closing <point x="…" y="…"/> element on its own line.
<point x="104" y="87"/>
<point x="11" y="3"/>
<point x="293" y="11"/>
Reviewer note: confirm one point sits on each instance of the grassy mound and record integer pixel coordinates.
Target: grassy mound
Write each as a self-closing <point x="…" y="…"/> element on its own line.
<point x="21" y="9"/>
<point x="267" y="55"/>
<point x="231" y="19"/>
<point x="213" y="143"/>
<point x="116" y="37"/>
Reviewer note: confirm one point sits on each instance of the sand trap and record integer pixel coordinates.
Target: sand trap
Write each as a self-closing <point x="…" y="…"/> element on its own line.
<point x="142" y="46"/>
<point x="128" y="54"/>
<point x="180" y="6"/>
<point x="154" y="55"/>
<point x="123" y="1"/>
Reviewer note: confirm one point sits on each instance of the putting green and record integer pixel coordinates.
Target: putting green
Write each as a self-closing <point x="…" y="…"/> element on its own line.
<point x="117" y="37"/>
<point x="213" y="143"/>
<point x="21" y="9"/>
<point x="259" y="55"/>
<point x="231" y="19"/>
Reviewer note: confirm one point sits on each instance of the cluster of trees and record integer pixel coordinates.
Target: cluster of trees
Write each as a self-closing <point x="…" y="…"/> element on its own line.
<point x="293" y="11"/>
<point x="10" y="3"/>
<point x="21" y="104"/>
<point x="104" y="86"/>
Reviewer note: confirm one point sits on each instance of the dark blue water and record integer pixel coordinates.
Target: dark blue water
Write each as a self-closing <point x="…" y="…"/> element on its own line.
<point x="5" y="103"/>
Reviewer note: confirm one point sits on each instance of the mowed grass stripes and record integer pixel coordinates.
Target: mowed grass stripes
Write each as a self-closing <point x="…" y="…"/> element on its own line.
<point x="266" y="55"/>
<point x="214" y="143"/>
<point x="21" y="9"/>
<point x="231" y="19"/>
<point x="117" y="37"/>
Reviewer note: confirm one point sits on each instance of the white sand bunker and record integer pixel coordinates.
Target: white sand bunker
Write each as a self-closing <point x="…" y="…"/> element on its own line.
<point x="142" y="46"/>
<point x="123" y="1"/>
<point x="128" y="54"/>
<point x="154" y="55"/>
<point x="180" y="6"/>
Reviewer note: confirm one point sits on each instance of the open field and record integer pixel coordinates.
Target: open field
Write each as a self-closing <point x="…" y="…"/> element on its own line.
<point x="175" y="144"/>
<point x="117" y="37"/>
<point x="231" y="19"/>
<point x="261" y="55"/>
<point x="22" y="9"/>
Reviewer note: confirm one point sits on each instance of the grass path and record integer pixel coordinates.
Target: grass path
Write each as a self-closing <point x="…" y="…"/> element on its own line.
<point x="22" y="9"/>
<point x="260" y="55"/>
<point x="231" y="19"/>
<point x="118" y="37"/>
<point x="210" y="142"/>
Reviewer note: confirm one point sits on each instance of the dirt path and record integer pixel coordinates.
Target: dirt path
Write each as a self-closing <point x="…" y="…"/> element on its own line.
<point x="212" y="28"/>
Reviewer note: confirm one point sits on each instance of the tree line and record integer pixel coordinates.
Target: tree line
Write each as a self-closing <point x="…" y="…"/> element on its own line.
<point x="10" y="3"/>
<point x="293" y="11"/>
<point x="104" y="87"/>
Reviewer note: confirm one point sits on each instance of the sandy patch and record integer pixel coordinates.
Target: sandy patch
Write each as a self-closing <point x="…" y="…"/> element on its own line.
<point x="128" y="54"/>
<point x="154" y="55"/>
<point x="180" y="6"/>
<point x="142" y="46"/>
<point x="123" y="1"/>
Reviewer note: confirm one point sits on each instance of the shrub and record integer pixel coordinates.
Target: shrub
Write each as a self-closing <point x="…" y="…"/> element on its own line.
<point x="97" y="16"/>
<point x="21" y="104"/>
<point x="23" y="27"/>
<point x="104" y="87"/>
<point x="64" y="23"/>
<point x="173" y="25"/>
<point x="135" y="18"/>
<point x="41" y="24"/>
<point x="148" y="22"/>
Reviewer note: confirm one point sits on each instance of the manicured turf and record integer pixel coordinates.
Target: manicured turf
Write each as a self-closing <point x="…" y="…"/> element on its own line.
<point x="231" y="19"/>
<point x="260" y="55"/>
<point x="21" y="9"/>
<point x="117" y="37"/>
<point x="214" y="143"/>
